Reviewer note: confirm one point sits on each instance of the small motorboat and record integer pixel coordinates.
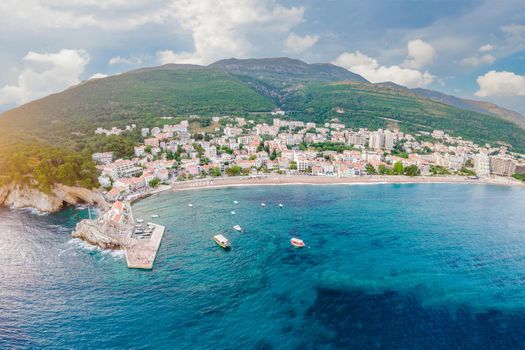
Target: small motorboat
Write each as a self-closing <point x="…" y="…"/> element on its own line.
<point x="222" y="241"/>
<point x="263" y="204"/>
<point x="232" y="212"/>
<point x="235" y="202"/>
<point x="154" y="216"/>
<point x="190" y="205"/>
<point x="237" y="228"/>
<point x="140" y="221"/>
<point x="281" y="205"/>
<point x="297" y="243"/>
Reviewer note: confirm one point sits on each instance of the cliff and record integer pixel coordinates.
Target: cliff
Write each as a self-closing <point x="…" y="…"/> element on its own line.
<point x="17" y="196"/>
<point x="99" y="233"/>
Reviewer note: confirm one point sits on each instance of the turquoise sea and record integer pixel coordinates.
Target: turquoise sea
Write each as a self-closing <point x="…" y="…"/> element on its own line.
<point x="426" y="266"/>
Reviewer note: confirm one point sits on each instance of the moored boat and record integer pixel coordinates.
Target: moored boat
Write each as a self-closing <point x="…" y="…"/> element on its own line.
<point x="235" y="202"/>
<point x="140" y="221"/>
<point x="154" y="216"/>
<point x="190" y="205"/>
<point x="281" y="205"/>
<point x="232" y="212"/>
<point x="297" y="243"/>
<point x="222" y="241"/>
<point x="237" y="228"/>
<point x="263" y="204"/>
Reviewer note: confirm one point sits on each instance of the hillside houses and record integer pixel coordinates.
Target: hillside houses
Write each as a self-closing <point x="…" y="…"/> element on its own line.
<point x="239" y="146"/>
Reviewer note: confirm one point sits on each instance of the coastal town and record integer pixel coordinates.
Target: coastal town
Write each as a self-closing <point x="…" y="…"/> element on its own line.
<point x="228" y="151"/>
<point x="236" y="147"/>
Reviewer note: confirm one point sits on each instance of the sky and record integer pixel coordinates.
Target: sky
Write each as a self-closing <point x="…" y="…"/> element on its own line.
<point x="471" y="49"/>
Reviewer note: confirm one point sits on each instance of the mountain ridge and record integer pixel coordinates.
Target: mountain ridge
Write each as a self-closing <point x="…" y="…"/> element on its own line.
<point x="240" y="86"/>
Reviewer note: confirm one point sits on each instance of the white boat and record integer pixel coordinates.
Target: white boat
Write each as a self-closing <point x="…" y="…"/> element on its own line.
<point x="237" y="228"/>
<point x="222" y="241"/>
<point x="235" y="202"/>
<point x="232" y="212"/>
<point x="281" y="205"/>
<point x="263" y="204"/>
<point x="140" y="221"/>
<point x="154" y="216"/>
<point x="297" y="243"/>
<point x="190" y="205"/>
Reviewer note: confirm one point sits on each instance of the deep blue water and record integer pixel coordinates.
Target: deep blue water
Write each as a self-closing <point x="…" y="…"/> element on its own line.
<point x="436" y="266"/>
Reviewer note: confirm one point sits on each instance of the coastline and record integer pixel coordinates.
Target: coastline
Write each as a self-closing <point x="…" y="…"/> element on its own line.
<point x="326" y="180"/>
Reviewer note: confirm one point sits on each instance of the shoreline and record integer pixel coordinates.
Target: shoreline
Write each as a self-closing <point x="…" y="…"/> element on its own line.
<point x="214" y="183"/>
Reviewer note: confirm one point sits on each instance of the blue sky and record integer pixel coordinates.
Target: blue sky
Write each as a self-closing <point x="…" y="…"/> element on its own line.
<point x="473" y="49"/>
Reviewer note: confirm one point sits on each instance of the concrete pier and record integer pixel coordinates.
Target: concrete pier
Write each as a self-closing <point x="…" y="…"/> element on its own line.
<point x="141" y="253"/>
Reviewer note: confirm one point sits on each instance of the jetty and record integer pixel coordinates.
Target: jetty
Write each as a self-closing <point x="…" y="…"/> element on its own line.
<point x="141" y="253"/>
<point x="116" y="229"/>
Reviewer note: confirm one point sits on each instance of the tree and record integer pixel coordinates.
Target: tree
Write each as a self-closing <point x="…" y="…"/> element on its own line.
<point x="412" y="170"/>
<point x="439" y="170"/>
<point x="384" y="170"/>
<point x="273" y="156"/>
<point x="293" y="165"/>
<point x="234" y="170"/>
<point x="215" y="172"/>
<point x="370" y="170"/>
<point x="398" y="168"/>
<point x="520" y="176"/>
<point x="154" y="183"/>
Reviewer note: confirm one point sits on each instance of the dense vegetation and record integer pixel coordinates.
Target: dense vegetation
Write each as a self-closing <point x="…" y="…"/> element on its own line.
<point x="41" y="166"/>
<point x="520" y="177"/>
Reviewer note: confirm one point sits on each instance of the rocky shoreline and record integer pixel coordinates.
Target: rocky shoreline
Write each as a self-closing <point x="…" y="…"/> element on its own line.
<point x="17" y="196"/>
<point x="100" y="234"/>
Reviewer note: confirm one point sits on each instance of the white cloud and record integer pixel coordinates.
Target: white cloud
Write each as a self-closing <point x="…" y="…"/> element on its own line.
<point x="117" y="60"/>
<point x="478" y="60"/>
<point x="514" y="29"/>
<point x="296" y="43"/>
<point x="45" y="73"/>
<point x="112" y="15"/>
<point x="98" y="76"/>
<point x="370" y="69"/>
<point x="486" y="48"/>
<point x="501" y="84"/>
<point x="420" y="53"/>
<point x="223" y="28"/>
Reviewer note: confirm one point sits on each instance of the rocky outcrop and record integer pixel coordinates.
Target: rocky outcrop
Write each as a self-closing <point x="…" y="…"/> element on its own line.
<point x="17" y="196"/>
<point x="98" y="233"/>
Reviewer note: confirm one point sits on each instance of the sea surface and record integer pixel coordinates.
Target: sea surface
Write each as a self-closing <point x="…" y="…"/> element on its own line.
<point x="413" y="266"/>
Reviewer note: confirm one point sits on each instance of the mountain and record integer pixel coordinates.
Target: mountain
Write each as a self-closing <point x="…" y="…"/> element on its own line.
<point x="240" y="87"/>
<point x="473" y="105"/>
<point x="282" y="71"/>
<point x="378" y="106"/>
<point x="135" y="97"/>
<point x="463" y="103"/>
<point x="277" y="77"/>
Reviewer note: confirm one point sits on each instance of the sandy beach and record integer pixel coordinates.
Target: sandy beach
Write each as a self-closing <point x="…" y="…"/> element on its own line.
<point x="327" y="180"/>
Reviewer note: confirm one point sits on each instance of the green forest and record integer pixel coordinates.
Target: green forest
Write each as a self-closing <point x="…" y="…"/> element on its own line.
<point x="41" y="166"/>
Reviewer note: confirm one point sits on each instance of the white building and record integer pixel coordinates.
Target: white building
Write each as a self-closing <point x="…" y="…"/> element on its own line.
<point x="377" y="140"/>
<point x="482" y="165"/>
<point x="103" y="158"/>
<point x="389" y="140"/>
